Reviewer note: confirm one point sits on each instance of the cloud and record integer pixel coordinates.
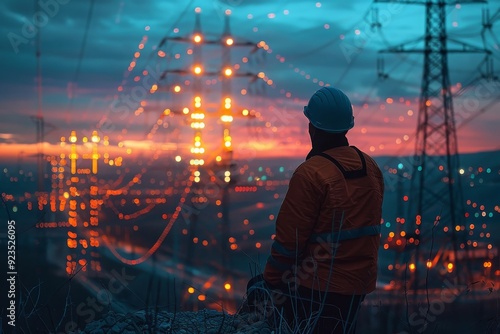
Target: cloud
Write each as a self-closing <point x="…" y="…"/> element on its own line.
<point x="308" y="49"/>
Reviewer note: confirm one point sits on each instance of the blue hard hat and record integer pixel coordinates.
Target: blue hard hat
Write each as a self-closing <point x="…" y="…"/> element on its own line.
<point x="329" y="109"/>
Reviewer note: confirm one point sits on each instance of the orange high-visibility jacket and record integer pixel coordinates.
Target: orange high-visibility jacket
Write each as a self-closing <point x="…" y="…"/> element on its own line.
<point x="328" y="227"/>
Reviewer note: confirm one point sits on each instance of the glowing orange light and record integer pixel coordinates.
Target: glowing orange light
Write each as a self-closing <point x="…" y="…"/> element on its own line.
<point x="197" y="69"/>
<point x="227" y="286"/>
<point x="191" y="290"/>
<point x="201" y="298"/>
<point x="228" y="72"/>
<point x="412" y="266"/>
<point x="229" y="41"/>
<point x="197" y="38"/>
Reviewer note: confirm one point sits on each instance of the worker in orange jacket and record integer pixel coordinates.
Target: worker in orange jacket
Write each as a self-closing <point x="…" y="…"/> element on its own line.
<point x="324" y="256"/>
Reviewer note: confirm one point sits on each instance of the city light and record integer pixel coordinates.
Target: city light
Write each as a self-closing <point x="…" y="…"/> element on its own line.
<point x="226" y="118"/>
<point x="197" y="38"/>
<point x="197" y="102"/>
<point x="95" y="137"/>
<point x="197" y="69"/>
<point x="72" y="137"/>
<point x="227" y="103"/>
<point x="198" y="125"/>
<point x="197" y="116"/>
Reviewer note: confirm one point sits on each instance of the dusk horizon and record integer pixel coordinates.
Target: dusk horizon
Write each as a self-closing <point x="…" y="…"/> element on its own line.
<point x="146" y="149"/>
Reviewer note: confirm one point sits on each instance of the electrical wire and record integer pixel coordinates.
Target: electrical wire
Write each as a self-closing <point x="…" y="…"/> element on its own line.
<point x="81" y="55"/>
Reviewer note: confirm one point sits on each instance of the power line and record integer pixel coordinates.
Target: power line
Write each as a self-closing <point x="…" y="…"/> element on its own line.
<point x="76" y="75"/>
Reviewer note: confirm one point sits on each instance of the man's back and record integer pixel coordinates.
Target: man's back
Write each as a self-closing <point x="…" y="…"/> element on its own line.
<point x="344" y="232"/>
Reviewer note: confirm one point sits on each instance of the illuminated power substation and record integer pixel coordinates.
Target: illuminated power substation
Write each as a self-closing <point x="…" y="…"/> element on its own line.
<point x="217" y="165"/>
<point x="75" y="191"/>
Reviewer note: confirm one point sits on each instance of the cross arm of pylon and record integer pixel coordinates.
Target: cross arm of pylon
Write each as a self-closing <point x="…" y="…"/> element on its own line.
<point x="495" y="16"/>
<point x="166" y="111"/>
<point x="405" y="47"/>
<point x="246" y="74"/>
<point x="424" y="2"/>
<point x="466" y="47"/>
<point x="175" y="71"/>
<point x="410" y="47"/>
<point x="178" y="39"/>
<point x="185" y="39"/>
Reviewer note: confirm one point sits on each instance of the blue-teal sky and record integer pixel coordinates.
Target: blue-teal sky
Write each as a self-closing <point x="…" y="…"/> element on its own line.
<point x="310" y="44"/>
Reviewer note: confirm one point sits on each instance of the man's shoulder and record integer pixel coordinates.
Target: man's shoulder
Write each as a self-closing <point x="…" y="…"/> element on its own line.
<point x="311" y="164"/>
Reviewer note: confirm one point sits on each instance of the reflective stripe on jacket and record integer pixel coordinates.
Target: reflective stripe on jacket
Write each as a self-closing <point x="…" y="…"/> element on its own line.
<point x="327" y="229"/>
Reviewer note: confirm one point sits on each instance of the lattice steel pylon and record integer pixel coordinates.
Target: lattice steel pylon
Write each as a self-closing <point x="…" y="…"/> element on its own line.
<point x="436" y="193"/>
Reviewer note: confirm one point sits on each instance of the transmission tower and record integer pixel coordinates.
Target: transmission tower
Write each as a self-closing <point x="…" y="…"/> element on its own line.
<point x="436" y="200"/>
<point x="223" y="164"/>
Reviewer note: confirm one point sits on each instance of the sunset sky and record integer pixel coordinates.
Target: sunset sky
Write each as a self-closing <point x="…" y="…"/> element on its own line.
<point x="85" y="73"/>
